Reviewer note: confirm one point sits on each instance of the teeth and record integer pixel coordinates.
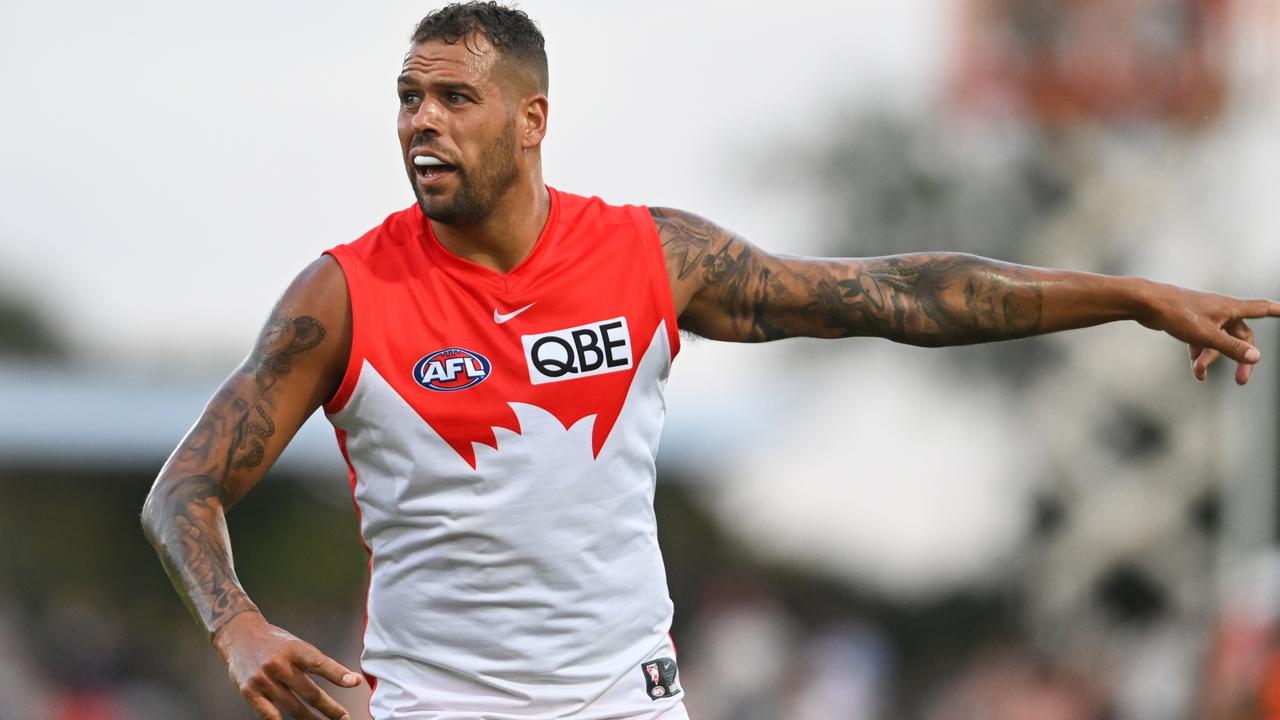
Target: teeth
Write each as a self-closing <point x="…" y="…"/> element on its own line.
<point x="427" y="161"/>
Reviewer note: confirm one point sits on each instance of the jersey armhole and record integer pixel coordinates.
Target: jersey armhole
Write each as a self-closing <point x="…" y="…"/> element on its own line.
<point x="661" y="283"/>
<point x="355" y="292"/>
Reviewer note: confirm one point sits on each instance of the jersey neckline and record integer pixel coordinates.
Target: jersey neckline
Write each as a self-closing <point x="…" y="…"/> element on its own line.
<point x="473" y="271"/>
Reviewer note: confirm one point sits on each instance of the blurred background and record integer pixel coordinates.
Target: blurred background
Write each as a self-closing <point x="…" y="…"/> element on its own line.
<point x="1059" y="528"/>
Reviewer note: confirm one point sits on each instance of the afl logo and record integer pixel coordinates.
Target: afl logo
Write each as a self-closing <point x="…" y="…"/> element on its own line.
<point x="451" y="369"/>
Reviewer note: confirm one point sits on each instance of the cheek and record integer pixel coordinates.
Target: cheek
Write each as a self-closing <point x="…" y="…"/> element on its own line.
<point x="491" y="136"/>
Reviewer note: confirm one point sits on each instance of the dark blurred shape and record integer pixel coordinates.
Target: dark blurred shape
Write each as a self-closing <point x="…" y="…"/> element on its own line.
<point x="1129" y="594"/>
<point x="1049" y="515"/>
<point x="83" y="647"/>
<point x="1205" y="513"/>
<point x="1133" y="433"/>
<point x="1048" y="189"/>
<point x="1062" y="62"/>
<point x="907" y="184"/>
<point x="26" y="334"/>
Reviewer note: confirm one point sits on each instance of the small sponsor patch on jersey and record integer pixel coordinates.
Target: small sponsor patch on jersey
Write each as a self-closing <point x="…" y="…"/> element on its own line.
<point x="451" y="369"/>
<point x="660" y="678"/>
<point x="592" y="349"/>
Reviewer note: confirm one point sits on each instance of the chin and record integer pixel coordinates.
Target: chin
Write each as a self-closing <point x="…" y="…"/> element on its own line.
<point x="432" y="205"/>
<point x="438" y="211"/>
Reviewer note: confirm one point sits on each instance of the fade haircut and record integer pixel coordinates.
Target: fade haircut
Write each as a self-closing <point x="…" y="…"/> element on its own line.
<point x="511" y="32"/>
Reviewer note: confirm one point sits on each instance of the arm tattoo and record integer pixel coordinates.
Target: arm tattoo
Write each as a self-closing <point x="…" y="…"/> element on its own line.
<point x="749" y="288"/>
<point x="184" y="514"/>
<point x="943" y="299"/>
<point x="191" y="539"/>
<point x="684" y="243"/>
<point x="926" y="299"/>
<point x="698" y="249"/>
<point x="280" y="342"/>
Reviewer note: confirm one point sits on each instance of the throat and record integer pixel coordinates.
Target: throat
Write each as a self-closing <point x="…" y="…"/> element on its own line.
<point x="500" y="243"/>
<point x="500" y="253"/>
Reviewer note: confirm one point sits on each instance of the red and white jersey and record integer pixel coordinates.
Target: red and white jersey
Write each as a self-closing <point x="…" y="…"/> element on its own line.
<point x="501" y="433"/>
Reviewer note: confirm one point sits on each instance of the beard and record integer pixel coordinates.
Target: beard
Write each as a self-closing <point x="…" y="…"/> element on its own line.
<point x="478" y="192"/>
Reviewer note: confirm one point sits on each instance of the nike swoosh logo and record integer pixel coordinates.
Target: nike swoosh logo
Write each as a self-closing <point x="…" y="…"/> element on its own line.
<point x="500" y="318"/>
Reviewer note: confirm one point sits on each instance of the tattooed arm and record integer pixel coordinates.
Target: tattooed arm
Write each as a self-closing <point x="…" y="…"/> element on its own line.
<point x="726" y="289"/>
<point x="297" y="363"/>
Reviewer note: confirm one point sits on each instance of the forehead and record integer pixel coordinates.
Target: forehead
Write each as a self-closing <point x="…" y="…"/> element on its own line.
<point x="471" y="59"/>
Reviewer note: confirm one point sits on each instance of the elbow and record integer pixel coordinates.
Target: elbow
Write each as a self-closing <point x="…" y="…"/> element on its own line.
<point x="150" y="516"/>
<point x="157" y="509"/>
<point x="173" y="497"/>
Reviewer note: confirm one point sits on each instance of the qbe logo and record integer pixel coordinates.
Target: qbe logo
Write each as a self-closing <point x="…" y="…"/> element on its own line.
<point x="451" y="369"/>
<point x="592" y="349"/>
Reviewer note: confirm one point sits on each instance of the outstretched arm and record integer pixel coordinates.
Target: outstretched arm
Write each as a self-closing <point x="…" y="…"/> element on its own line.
<point x="296" y="364"/>
<point x="726" y="289"/>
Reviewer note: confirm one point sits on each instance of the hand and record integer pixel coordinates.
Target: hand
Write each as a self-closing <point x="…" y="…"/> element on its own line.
<point x="1211" y="325"/>
<point x="271" y="668"/>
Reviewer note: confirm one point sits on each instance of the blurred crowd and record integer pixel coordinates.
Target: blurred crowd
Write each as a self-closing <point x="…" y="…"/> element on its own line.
<point x="755" y="641"/>
<point x="749" y="657"/>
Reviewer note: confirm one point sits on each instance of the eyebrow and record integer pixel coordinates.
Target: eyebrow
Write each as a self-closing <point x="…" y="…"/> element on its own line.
<point x="460" y="85"/>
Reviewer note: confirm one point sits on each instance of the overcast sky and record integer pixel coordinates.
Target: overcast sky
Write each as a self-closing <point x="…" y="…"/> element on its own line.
<point x="166" y="167"/>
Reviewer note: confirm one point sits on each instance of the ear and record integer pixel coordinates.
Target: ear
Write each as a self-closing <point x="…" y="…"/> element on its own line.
<point x="533" y="121"/>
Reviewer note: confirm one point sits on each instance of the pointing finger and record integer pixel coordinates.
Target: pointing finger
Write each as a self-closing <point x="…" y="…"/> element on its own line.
<point x="1261" y="308"/>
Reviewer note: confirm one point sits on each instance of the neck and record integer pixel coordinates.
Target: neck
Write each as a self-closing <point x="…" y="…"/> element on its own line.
<point x="507" y="235"/>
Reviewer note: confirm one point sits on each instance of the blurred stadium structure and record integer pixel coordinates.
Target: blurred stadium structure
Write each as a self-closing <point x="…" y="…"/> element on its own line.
<point x="1079" y="531"/>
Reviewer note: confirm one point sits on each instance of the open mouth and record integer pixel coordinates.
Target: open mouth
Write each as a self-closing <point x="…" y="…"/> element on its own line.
<point x="430" y="167"/>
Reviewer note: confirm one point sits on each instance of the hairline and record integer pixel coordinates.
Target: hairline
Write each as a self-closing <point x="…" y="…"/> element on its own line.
<point x="519" y="63"/>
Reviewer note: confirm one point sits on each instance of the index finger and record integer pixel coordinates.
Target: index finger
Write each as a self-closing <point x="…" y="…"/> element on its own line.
<point x="326" y="667"/>
<point x="1262" y="308"/>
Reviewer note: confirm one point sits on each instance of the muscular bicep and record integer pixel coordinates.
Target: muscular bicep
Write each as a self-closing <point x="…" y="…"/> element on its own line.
<point x="296" y="363"/>
<point x="727" y="289"/>
<point x="748" y="295"/>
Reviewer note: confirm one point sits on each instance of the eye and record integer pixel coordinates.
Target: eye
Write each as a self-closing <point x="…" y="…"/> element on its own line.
<point x="409" y="98"/>
<point x="455" y="98"/>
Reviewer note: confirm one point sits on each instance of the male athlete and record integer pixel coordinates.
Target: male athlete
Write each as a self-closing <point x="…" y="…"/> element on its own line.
<point x="493" y="359"/>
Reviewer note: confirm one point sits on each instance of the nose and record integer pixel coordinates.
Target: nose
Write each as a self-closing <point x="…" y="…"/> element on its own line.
<point x="428" y="117"/>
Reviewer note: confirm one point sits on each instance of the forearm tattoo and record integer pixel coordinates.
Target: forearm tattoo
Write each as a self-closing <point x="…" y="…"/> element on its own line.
<point x="184" y="514"/>
<point x="191" y="538"/>
<point x="923" y="299"/>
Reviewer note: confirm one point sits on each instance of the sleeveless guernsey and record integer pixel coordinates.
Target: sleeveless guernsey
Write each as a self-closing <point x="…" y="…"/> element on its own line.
<point x="500" y="432"/>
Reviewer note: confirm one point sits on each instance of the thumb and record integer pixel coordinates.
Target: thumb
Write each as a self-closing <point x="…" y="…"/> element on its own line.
<point x="1236" y="349"/>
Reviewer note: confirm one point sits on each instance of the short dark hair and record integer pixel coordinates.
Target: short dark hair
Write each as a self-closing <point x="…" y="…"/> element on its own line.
<point x="511" y="32"/>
